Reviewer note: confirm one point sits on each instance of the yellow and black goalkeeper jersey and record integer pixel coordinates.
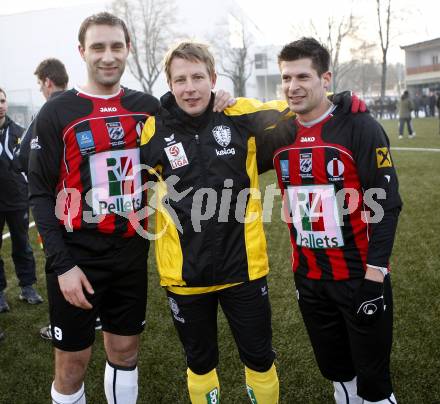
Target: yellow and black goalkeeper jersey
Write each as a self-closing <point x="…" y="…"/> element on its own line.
<point x="209" y="217"/>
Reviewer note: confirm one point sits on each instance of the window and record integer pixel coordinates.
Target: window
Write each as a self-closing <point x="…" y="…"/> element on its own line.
<point x="435" y="60"/>
<point x="260" y="61"/>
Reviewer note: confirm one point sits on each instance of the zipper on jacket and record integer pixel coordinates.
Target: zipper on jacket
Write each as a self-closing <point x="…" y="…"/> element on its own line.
<point x="200" y="158"/>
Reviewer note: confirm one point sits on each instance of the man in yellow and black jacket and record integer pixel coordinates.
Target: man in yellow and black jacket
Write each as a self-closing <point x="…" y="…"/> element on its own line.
<point x="210" y="245"/>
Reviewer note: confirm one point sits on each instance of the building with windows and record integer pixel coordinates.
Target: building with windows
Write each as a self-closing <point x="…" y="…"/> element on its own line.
<point x="422" y="66"/>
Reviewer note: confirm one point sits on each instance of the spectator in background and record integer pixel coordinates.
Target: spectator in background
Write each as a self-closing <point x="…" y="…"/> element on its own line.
<point x="438" y="107"/>
<point x="432" y="102"/>
<point x="405" y="108"/>
<point x="417" y="104"/>
<point x="425" y="105"/>
<point x="14" y="210"/>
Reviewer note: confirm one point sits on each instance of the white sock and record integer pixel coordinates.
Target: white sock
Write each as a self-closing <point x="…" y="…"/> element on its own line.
<point x="390" y="400"/>
<point x="120" y="384"/>
<point x="346" y="393"/>
<point x="76" y="398"/>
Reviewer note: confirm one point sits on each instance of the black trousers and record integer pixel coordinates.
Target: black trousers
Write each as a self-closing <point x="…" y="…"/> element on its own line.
<point x="18" y="223"/>
<point x="116" y="267"/>
<point x="247" y="309"/>
<point x="343" y="347"/>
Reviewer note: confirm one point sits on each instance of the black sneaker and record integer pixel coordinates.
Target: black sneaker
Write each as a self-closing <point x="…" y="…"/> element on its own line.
<point x="4" y="306"/>
<point x="29" y="295"/>
<point x="46" y="332"/>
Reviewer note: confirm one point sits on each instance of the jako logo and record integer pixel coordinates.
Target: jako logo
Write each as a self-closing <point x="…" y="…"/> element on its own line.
<point x="108" y="109"/>
<point x="213" y="397"/>
<point x="307" y="139"/>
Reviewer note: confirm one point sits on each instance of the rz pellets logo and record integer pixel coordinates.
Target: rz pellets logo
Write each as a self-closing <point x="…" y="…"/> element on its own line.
<point x="213" y="397"/>
<point x="120" y="176"/>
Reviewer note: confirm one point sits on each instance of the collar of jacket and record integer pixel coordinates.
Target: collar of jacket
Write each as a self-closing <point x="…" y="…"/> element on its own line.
<point x="6" y="123"/>
<point x="173" y="115"/>
<point x="56" y="94"/>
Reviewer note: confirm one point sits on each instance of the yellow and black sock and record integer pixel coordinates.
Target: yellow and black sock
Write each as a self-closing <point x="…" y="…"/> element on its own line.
<point x="203" y="389"/>
<point x="262" y="387"/>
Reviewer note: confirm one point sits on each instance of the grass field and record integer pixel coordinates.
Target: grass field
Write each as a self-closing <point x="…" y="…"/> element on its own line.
<point x="26" y="360"/>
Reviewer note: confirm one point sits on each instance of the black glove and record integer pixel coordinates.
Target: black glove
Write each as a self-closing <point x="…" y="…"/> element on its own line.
<point x="349" y="102"/>
<point x="369" y="301"/>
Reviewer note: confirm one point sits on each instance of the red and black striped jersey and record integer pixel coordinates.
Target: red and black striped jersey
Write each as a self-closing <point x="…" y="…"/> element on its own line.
<point x="340" y="193"/>
<point x="83" y="169"/>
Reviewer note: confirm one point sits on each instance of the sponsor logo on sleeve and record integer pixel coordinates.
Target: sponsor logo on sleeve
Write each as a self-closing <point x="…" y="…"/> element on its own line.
<point x="383" y="157"/>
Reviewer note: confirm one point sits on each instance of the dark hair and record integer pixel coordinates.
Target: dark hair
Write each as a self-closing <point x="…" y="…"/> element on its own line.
<point x="308" y="48"/>
<point x="405" y="95"/>
<point x="103" y="18"/>
<point x="3" y="91"/>
<point x="54" y="70"/>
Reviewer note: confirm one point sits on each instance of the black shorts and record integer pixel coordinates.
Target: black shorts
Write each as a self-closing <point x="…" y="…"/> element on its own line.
<point x="344" y="348"/>
<point x="247" y="309"/>
<point x="116" y="267"/>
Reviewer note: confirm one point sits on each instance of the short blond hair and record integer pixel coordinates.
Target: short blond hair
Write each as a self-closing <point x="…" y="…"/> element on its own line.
<point x="192" y="51"/>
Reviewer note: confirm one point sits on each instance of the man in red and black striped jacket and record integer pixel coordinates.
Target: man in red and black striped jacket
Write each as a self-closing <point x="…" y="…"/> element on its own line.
<point x="83" y="188"/>
<point x="341" y="201"/>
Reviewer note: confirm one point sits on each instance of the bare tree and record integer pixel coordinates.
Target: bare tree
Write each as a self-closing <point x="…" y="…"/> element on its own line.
<point x="151" y="26"/>
<point x="384" y="20"/>
<point x="233" y="57"/>
<point x="337" y="34"/>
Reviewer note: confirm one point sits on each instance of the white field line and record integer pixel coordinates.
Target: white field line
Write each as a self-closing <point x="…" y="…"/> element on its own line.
<point x="7" y="235"/>
<point x="423" y="149"/>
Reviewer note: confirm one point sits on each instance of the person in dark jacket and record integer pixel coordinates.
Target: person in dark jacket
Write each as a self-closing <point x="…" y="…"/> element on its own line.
<point x="405" y="109"/>
<point x="52" y="79"/>
<point x="14" y="210"/>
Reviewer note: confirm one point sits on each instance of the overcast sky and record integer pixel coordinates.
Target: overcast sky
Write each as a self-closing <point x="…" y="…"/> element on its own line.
<point x="418" y="21"/>
<point x="283" y="21"/>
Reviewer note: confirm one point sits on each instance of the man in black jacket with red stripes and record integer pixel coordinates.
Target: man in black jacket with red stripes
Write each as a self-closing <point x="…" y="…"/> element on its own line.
<point x="342" y="204"/>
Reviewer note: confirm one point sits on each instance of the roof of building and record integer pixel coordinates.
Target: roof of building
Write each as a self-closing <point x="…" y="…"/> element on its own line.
<point x="422" y="45"/>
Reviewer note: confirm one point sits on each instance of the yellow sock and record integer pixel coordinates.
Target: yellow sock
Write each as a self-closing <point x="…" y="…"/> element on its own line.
<point x="262" y="387"/>
<point x="203" y="389"/>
